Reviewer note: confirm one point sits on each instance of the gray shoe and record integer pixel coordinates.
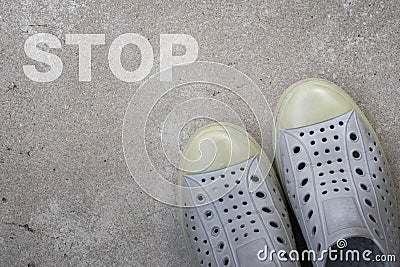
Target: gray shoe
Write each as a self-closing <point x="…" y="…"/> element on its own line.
<point x="335" y="174"/>
<point x="234" y="213"/>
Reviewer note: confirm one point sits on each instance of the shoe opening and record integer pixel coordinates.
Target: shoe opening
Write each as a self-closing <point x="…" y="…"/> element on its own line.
<point x="355" y="251"/>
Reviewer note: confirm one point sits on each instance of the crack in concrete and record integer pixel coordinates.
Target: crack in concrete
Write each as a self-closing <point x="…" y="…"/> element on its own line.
<point x="25" y="226"/>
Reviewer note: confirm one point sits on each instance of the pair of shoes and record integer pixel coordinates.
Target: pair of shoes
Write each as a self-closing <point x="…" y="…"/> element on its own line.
<point x="333" y="175"/>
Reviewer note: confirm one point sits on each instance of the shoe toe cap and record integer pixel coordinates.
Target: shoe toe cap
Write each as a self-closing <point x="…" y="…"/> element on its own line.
<point x="312" y="101"/>
<point x="217" y="146"/>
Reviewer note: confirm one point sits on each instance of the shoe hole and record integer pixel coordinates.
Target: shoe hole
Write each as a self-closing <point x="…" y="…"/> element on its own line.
<point x="280" y="240"/>
<point x="266" y="210"/>
<point x="324" y="139"/>
<point x="304" y="181"/>
<point x="356" y="154"/>
<point x="322" y="130"/>
<point x="296" y="149"/>
<point x="301" y="166"/>
<point x="255" y="178"/>
<point x="324" y="192"/>
<point x="314" y="230"/>
<point x="332" y="127"/>
<point x="200" y="198"/>
<point x="274" y="224"/>
<point x="312" y="143"/>
<point x="316" y="153"/>
<point x="208" y="214"/>
<point x="347" y="189"/>
<point x="260" y="194"/>
<point x="368" y="202"/>
<point x="306" y="198"/>
<point x="364" y="187"/>
<point x="225" y="261"/>
<point x="221" y="246"/>
<point x="327" y="151"/>
<point x="336" y="137"/>
<point x="359" y="171"/>
<point x="372" y="218"/>
<point x="256" y="230"/>
<point x="353" y="137"/>
<point x="341" y="123"/>
<point x="310" y="214"/>
<point x="301" y="134"/>
<point x="311" y="132"/>
<point x="337" y="148"/>
<point x="336" y="189"/>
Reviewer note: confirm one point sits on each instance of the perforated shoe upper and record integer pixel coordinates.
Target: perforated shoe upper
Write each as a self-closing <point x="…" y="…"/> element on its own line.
<point x="339" y="186"/>
<point x="235" y="216"/>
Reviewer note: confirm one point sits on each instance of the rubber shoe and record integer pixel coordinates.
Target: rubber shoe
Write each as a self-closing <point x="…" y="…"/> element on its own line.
<point x="335" y="174"/>
<point x="234" y="213"/>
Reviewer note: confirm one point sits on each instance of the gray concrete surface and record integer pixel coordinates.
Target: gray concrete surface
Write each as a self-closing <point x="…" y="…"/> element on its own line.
<point x="66" y="195"/>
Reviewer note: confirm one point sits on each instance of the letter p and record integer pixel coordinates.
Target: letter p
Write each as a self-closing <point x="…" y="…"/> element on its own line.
<point x="168" y="60"/>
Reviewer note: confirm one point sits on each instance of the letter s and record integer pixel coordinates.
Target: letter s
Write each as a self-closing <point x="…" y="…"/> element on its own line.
<point x="32" y="51"/>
